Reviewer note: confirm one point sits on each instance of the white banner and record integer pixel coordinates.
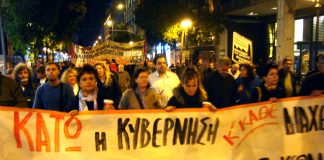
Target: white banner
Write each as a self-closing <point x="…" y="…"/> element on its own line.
<point x="288" y="129"/>
<point x="121" y="52"/>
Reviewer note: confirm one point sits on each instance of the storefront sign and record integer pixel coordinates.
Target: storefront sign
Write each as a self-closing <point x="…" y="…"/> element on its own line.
<point x="288" y="129"/>
<point x="242" y="51"/>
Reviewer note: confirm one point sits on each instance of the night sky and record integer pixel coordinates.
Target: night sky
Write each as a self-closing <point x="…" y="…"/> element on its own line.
<point x="92" y="24"/>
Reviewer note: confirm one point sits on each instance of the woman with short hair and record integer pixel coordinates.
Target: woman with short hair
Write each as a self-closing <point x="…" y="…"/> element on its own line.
<point x="269" y="88"/>
<point x="89" y="96"/>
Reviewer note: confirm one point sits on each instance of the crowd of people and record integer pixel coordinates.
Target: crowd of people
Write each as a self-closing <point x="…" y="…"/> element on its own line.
<point x="154" y="86"/>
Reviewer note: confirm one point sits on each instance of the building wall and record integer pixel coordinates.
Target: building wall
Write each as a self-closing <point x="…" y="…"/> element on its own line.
<point x="130" y="15"/>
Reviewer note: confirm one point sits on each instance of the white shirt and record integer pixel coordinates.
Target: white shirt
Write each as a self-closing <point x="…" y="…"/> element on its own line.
<point x="236" y="75"/>
<point x="42" y="81"/>
<point x="75" y="89"/>
<point x="164" y="85"/>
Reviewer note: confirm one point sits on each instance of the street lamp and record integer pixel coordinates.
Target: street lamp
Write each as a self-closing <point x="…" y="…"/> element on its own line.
<point x="185" y="24"/>
<point x="120" y="6"/>
<point x="131" y="43"/>
<point x="110" y="23"/>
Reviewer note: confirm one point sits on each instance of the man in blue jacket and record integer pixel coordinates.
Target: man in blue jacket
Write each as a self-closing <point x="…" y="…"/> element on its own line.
<point x="54" y="95"/>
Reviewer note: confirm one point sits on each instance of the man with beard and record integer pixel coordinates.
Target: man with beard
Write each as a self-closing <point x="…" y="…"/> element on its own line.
<point x="22" y="75"/>
<point x="54" y="95"/>
<point x="163" y="81"/>
<point x="220" y="86"/>
<point x="287" y="78"/>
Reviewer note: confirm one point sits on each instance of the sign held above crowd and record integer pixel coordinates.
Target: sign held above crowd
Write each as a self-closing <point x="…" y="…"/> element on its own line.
<point x="125" y="52"/>
<point x="242" y="51"/>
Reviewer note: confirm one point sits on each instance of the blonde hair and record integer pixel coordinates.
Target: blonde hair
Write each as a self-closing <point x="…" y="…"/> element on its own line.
<point x="107" y="73"/>
<point x="64" y="77"/>
<point x="191" y="73"/>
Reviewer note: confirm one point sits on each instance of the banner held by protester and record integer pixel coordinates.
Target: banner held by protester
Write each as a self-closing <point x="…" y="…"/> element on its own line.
<point x="288" y="128"/>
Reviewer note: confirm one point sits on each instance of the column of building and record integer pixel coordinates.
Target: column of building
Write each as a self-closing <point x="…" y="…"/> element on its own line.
<point x="285" y="29"/>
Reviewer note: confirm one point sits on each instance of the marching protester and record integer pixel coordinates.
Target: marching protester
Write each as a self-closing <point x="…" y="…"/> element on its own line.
<point x="198" y="63"/>
<point x="123" y="78"/>
<point x="41" y="76"/>
<point x="54" y="95"/>
<point x="69" y="76"/>
<point x="314" y="83"/>
<point x="234" y="71"/>
<point x="90" y="96"/>
<point x="246" y="82"/>
<point x="11" y="93"/>
<point x="113" y="66"/>
<point x="220" y="86"/>
<point x="108" y="83"/>
<point x="150" y="67"/>
<point x="163" y="81"/>
<point x="269" y="88"/>
<point x="9" y="73"/>
<point x="140" y="95"/>
<point x="287" y="78"/>
<point x="208" y="72"/>
<point x="190" y="93"/>
<point x="23" y="75"/>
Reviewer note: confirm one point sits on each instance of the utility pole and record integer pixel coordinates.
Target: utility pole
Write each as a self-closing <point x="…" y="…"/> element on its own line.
<point x="3" y="46"/>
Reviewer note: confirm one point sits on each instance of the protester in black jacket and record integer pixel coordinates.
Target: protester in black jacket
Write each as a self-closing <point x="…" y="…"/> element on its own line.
<point x="287" y="78"/>
<point x="108" y="84"/>
<point x="220" y="86"/>
<point x="89" y="97"/>
<point x="190" y="93"/>
<point x="23" y="75"/>
<point x="269" y="88"/>
<point x="314" y="83"/>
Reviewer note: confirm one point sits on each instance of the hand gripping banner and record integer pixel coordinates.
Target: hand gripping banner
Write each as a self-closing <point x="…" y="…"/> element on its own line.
<point x="291" y="128"/>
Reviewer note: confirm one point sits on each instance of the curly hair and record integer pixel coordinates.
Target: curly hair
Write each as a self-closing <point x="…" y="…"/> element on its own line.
<point x="87" y="68"/>
<point x="64" y="77"/>
<point x="267" y="68"/>
<point x="18" y="68"/>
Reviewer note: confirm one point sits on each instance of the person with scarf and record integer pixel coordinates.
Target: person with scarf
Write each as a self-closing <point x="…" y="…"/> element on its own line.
<point x="190" y="93"/>
<point x="88" y="97"/>
<point x="269" y="88"/>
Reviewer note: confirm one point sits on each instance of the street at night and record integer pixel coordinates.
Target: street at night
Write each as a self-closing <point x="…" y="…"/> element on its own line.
<point x="161" y="79"/>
